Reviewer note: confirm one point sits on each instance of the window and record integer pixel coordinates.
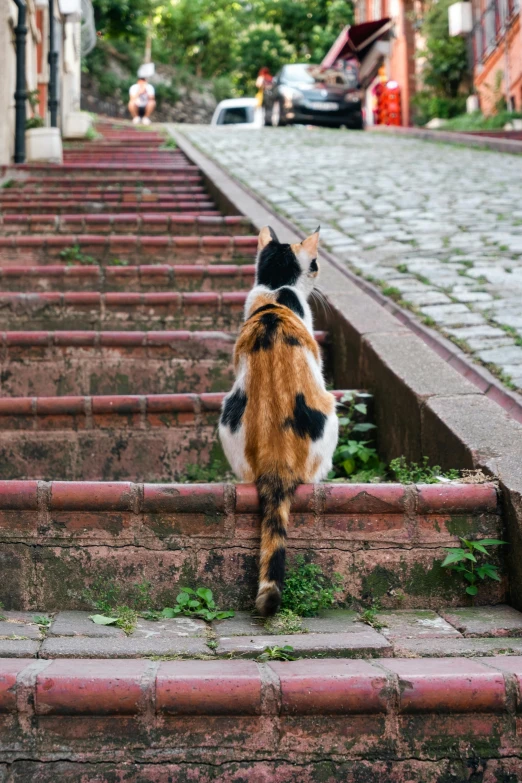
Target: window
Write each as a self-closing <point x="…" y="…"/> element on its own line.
<point x="236" y="115"/>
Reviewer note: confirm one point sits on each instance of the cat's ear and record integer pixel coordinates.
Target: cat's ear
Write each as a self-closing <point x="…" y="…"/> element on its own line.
<point x="266" y="235"/>
<point x="311" y="243"/>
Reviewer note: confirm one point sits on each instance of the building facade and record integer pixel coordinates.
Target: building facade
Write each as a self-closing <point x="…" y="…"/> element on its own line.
<point x="67" y="44"/>
<point x="399" y="61"/>
<point x="497" y="54"/>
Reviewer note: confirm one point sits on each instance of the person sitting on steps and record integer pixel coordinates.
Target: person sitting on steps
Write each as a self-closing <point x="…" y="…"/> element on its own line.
<point x="142" y="101"/>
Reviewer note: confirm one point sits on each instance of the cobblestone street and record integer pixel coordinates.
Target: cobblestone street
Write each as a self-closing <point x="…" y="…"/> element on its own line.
<point x="437" y="227"/>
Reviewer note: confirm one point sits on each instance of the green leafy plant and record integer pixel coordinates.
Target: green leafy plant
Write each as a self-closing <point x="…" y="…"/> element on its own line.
<point x="470" y="561"/>
<point x="369" y="617"/>
<point x="34" y="122"/>
<point x="2" y="617"/>
<point x="74" y="254"/>
<point x="9" y="183"/>
<point x="352" y="453"/>
<point x="42" y="621"/>
<point x="169" y="144"/>
<point x="412" y="473"/>
<point x="277" y="654"/>
<point x="307" y="590"/>
<point x="118" y="262"/>
<point x="196" y="603"/>
<point x="200" y="474"/>
<point x="284" y="622"/>
<point x="124" y="617"/>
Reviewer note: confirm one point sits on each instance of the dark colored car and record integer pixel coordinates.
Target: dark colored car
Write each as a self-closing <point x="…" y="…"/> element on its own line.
<point x="303" y="93"/>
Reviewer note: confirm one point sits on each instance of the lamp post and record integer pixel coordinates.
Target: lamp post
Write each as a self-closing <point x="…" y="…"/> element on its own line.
<point x="53" y="63"/>
<point x="20" y="95"/>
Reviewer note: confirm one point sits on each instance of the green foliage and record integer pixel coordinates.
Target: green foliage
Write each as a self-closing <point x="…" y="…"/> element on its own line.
<point x="123" y="616"/>
<point x="42" y="621"/>
<point x="445" y="69"/>
<point x="226" y="41"/>
<point x="34" y="122"/>
<point x="196" y="603"/>
<point x="200" y="474"/>
<point x="412" y="473"/>
<point x="477" y="121"/>
<point x="169" y="144"/>
<point x="105" y="594"/>
<point x="284" y="622"/>
<point x="9" y="183"/>
<point x="307" y="590"/>
<point x="353" y="454"/>
<point x="74" y="254"/>
<point x="369" y="617"/>
<point x="277" y="654"/>
<point x="470" y="561"/>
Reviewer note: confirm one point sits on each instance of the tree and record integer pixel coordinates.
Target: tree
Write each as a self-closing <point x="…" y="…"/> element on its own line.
<point x="261" y="45"/>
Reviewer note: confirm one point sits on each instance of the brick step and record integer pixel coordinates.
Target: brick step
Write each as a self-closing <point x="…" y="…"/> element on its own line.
<point x="382" y="721"/>
<point x="111" y="183"/>
<point x="98" y="171"/>
<point x="131" y="155"/>
<point x="105" y="194"/>
<point x="48" y="248"/>
<point x="160" y="277"/>
<point x="124" y="223"/>
<point x="92" y="309"/>
<point x="192" y="207"/>
<point x="86" y="363"/>
<point x="64" y="538"/>
<point x="109" y="438"/>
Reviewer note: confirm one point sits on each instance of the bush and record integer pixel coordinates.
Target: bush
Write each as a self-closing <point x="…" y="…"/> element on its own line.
<point x="477" y="121"/>
<point x="427" y="106"/>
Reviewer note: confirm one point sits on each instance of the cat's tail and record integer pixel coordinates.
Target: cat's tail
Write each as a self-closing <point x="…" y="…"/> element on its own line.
<point x="275" y="497"/>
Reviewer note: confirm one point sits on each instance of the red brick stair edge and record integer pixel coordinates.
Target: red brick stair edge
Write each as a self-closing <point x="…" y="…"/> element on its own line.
<point x="242" y="498"/>
<point x="310" y="687"/>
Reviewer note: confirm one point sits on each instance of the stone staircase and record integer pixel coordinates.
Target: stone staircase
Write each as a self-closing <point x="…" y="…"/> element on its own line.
<point x="122" y="290"/>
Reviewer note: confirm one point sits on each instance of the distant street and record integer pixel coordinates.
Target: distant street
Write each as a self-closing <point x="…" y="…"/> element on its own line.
<point x="439" y="226"/>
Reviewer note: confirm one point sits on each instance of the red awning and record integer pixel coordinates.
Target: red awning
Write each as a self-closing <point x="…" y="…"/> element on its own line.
<point x="354" y="41"/>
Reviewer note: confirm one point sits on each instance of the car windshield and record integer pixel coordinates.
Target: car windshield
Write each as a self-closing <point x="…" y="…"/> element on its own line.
<point x="236" y="115"/>
<point x="343" y="73"/>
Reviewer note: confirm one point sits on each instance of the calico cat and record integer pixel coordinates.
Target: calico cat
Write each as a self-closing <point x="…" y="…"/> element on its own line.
<point x="278" y="425"/>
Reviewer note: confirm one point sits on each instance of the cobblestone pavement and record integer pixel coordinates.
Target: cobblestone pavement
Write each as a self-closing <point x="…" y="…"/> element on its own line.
<point x="438" y="227"/>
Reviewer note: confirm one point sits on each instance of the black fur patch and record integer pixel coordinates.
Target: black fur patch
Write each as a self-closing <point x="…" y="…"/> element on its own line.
<point x="277" y="266"/>
<point x="273" y="524"/>
<point x="289" y="299"/>
<point x="313" y="266"/>
<point x="276" y="568"/>
<point x="262" y="309"/>
<point x="306" y="421"/>
<point x="234" y="409"/>
<point x="268" y="323"/>
<point x="289" y="339"/>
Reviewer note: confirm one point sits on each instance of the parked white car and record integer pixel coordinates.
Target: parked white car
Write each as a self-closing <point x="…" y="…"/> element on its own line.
<point x="239" y="112"/>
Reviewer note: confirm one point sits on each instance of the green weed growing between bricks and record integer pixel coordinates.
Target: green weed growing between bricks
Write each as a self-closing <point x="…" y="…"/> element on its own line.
<point x="470" y="562"/>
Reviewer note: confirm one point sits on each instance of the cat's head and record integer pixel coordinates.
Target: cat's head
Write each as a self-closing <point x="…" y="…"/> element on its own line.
<point x="279" y="264"/>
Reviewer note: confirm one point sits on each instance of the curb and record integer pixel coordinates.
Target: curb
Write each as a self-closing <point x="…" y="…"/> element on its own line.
<point x="513" y="146"/>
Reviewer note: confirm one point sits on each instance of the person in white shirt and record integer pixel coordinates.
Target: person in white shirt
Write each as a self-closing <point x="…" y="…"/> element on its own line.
<point x="142" y="101"/>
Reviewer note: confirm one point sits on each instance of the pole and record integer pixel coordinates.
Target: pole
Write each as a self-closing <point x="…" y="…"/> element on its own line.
<point x="53" y="63"/>
<point x="20" y="95"/>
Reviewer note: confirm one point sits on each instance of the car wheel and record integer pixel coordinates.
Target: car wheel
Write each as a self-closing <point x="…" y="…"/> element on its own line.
<point x="277" y="115"/>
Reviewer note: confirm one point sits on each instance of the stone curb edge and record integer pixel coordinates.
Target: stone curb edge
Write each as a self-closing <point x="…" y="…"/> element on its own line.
<point x="513" y="146"/>
<point x="329" y="686"/>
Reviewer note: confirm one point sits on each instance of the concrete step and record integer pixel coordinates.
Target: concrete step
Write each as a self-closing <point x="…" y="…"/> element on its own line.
<point x="336" y="633"/>
<point x="153" y="249"/>
<point x="143" y="311"/>
<point x="109" y="182"/>
<point x="147" y="223"/>
<point x="106" y="193"/>
<point x="99" y="171"/>
<point x="157" y="277"/>
<point x="110" y="438"/>
<point x="65" y="543"/>
<point x="90" y="363"/>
